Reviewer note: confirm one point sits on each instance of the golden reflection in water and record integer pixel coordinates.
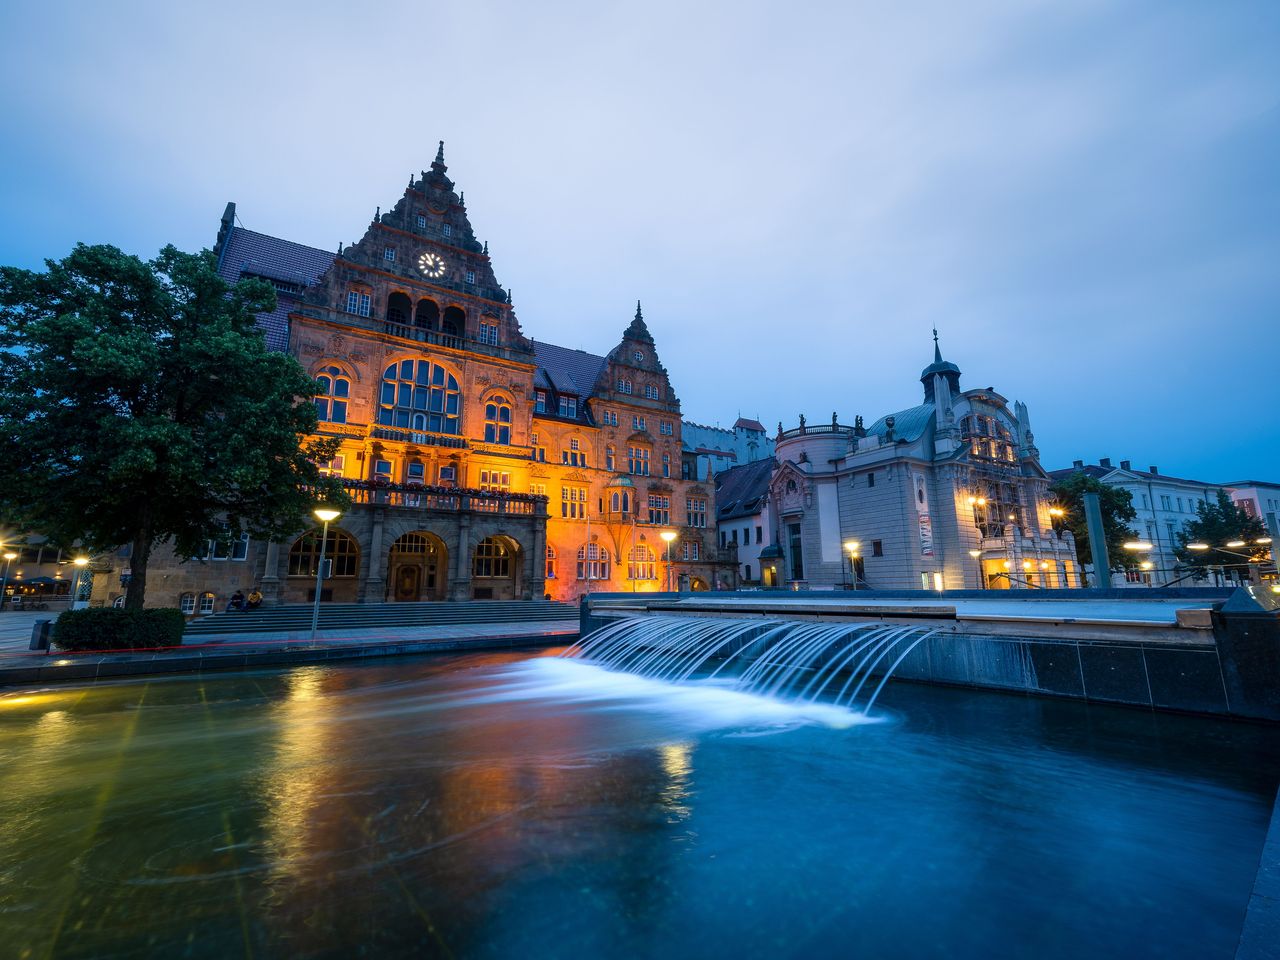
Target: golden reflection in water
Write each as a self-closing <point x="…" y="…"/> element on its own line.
<point x="292" y="780"/>
<point x="677" y="764"/>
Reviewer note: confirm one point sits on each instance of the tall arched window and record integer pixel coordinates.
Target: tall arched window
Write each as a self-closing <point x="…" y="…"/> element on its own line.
<point x="641" y="565"/>
<point x="455" y="321"/>
<point x="332" y="390"/>
<point x="491" y="559"/>
<point x="419" y="395"/>
<point x="399" y="307"/>
<point x="341" y="548"/>
<point x="428" y="315"/>
<point x="497" y="420"/>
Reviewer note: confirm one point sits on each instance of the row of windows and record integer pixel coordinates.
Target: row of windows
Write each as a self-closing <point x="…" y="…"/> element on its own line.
<point x="626" y="387"/>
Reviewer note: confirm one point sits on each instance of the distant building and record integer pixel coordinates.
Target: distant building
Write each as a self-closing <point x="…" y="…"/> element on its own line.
<point x="948" y="494"/>
<point x="716" y="449"/>
<point x="1164" y="504"/>
<point x="744" y="517"/>
<point x="1258" y="499"/>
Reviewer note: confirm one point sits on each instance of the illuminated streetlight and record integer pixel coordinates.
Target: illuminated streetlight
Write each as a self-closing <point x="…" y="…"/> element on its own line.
<point x="668" y="536"/>
<point x="76" y="603"/>
<point x="1197" y="546"/>
<point x="325" y="515"/>
<point x="977" y="556"/>
<point x="853" y="546"/>
<point x="9" y="557"/>
<point x="1235" y="543"/>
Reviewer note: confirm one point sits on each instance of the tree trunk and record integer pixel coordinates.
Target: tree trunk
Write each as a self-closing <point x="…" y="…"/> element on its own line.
<point x="136" y="594"/>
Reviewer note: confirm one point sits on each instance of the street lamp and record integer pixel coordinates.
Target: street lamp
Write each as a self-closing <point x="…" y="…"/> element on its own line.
<point x="1141" y="546"/>
<point x="81" y="563"/>
<point x="325" y="515"/>
<point x="853" y="546"/>
<point x="9" y="557"/>
<point x="668" y="536"/>
<point x="1200" y="547"/>
<point x="977" y="556"/>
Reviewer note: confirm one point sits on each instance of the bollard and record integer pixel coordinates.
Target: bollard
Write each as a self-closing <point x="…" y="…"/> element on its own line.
<point x="41" y="631"/>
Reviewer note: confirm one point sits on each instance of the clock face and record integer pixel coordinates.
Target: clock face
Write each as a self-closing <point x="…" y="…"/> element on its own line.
<point x="431" y="265"/>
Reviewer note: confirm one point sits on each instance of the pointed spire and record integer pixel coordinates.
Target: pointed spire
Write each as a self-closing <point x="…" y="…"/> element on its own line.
<point x="440" y="153"/>
<point x="937" y="353"/>
<point x="462" y="199"/>
<point x="638" y="330"/>
<point x="486" y="248"/>
<point x="377" y="214"/>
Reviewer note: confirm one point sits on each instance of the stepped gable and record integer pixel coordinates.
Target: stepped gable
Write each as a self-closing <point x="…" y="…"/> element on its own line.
<point x="634" y="357"/>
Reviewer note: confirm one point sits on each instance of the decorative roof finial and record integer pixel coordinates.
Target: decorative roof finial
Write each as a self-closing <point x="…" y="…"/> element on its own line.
<point x="462" y="199"/>
<point x="637" y="330"/>
<point x="639" y="315"/>
<point x="440" y="153"/>
<point x="937" y="353"/>
<point x="486" y="248"/>
<point x="377" y="214"/>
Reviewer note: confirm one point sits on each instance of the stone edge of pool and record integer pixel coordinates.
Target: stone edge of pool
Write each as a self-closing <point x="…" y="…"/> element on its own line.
<point x="87" y="668"/>
<point x="1261" y="931"/>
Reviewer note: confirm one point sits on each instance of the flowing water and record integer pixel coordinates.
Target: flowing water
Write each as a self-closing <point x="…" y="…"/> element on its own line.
<point x="518" y="805"/>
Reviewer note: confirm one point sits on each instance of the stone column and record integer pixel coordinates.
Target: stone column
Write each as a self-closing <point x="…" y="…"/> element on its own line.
<point x="375" y="587"/>
<point x="460" y="583"/>
<point x="270" y="585"/>
<point x="536" y="581"/>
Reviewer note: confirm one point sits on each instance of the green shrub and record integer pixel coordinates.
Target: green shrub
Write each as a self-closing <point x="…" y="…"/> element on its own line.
<point x="107" y="628"/>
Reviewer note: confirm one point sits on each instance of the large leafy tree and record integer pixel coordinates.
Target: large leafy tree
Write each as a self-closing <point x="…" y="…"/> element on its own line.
<point x="1117" y="513"/>
<point x="1217" y="524"/>
<point x="139" y="403"/>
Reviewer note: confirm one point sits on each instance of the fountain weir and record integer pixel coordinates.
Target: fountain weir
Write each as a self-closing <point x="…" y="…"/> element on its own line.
<point x="1188" y="650"/>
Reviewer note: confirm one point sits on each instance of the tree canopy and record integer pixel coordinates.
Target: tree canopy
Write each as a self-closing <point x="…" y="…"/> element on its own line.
<point x="139" y="403"/>
<point x="1117" y="512"/>
<point x="1217" y="524"/>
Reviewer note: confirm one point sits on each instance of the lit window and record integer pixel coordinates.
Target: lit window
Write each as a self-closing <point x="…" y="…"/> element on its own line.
<point x="593" y="563"/>
<point x="659" y="509"/>
<point x="641" y="565"/>
<point x="207" y="601"/>
<point x="497" y="420"/>
<point x="491" y="559"/>
<point x="551" y="562"/>
<point x="420" y="396"/>
<point x="332" y="390"/>
<point x="573" y="503"/>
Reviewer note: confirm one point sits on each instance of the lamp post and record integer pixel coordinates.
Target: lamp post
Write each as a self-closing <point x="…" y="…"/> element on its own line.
<point x="9" y="557"/>
<point x="325" y="515"/>
<point x="1141" y="546"/>
<point x="1260" y="541"/>
<point x="668" y="536"/>
<point x="76" y="602"/>
<point x="853" y="546"/>
<point x="977" y="557"/>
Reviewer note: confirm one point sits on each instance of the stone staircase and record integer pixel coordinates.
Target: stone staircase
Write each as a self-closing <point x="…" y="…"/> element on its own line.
<point x="371" y="616"/>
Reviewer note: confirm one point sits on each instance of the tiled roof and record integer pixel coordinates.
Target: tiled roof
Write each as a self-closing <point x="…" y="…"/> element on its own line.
<point x="908" y="424"/>
<point x="568" y="371"/>
<point x="256" y="254"/>
<point x="746" y="424"/>
<point x="740" y="489"/>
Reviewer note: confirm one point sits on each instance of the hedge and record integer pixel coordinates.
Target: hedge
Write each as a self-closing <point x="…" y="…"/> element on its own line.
<point x="109" y="628"/>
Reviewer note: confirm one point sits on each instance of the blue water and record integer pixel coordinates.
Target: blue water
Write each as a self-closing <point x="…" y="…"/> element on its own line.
<point x="524" y="806"/>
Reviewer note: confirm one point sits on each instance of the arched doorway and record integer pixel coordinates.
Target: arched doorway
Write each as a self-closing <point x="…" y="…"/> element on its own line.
<point x="698" y="585"/>
<point x="495" y="569"/>
<point x="417" y="568"/>
<point x="342" y="556"/>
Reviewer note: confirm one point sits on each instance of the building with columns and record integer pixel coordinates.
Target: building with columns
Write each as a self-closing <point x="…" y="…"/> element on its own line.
<point x="482" y="464"/>
<point x="948" y="494"/>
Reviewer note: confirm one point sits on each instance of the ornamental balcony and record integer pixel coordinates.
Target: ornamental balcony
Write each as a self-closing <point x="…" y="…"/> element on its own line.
<point x="412" y="496"/>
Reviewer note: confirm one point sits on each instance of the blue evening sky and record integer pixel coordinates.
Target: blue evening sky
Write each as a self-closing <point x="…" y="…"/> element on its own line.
<point x="1083" y="196"/>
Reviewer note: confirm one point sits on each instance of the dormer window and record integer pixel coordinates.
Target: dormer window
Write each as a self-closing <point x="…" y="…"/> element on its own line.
<point x="569" y="407"/>
<point x="540" y="401"/>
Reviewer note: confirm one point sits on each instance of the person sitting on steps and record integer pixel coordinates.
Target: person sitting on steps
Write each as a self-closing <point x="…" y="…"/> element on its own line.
<point x="254" y="601"/>
<point x="236" y="602"/>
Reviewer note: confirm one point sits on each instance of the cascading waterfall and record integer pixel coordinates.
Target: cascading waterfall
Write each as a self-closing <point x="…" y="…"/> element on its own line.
<point x="785" y="659"/>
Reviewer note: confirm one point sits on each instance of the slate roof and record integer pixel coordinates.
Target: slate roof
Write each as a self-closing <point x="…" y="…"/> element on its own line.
<point x="908" y="424"/>
<point x="568" y="371"/>
<point x="746" y="424"/>
<point x="250" y="252"/>
<point x="740" y="489"/>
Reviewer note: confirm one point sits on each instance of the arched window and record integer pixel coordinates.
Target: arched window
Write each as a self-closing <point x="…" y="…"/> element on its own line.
<point x="399" y="308"/>
<point x="491" y="559"/>
<point x="551" y="562"/>
<point x="593" y="563"/>
<point x="497" y="420"/>
<point x="341" y="548"/>
<point x="455" y="321"/>
<point x="641" y="565"/>
<point x="620" y="501"/>
<point x="428" y="315"/>
<point x="332" y="390"/>
<point x="207" y="602"/>
<point x="187" y="603"/>
<point x="419" y="395"/>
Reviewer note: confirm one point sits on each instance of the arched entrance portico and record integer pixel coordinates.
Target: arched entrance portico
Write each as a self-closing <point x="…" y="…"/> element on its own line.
<point x="496" y="572"/>
<point x="417" y="568"/>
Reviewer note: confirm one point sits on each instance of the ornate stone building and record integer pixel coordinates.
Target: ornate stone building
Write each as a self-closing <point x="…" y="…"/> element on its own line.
<point x="483" y="465"/>
<point x="949" y="494"/>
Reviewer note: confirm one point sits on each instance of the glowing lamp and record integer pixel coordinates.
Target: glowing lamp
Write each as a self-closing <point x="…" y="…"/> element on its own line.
<point x="668" y="535"/>
<point x="1197" y="546"/>
<point x="1146" y="565"/>
<point x="975" y="554"/>
<point x="80" y="561"/>
<point x="1263" y="540"/>
<point x="1137" y="545"/>
<point x="852" y="545"/>
<point x="1235" y="543"/>
<point x="326" y="514"/>
<point x="11" y="555"/>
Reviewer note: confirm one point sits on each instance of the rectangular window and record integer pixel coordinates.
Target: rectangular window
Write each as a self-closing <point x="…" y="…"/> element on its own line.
<point x="608" y="458"/>
<point x="666" y="465"/>
<point x="759" y="534"/>
<point x="569" y="407"/>
<point x="659" y="509"/>
<point x="448" y="474"/>
<point x="447" y="230"/>
<point x="609" y="418"/>
<point x="382" y="470"/>
<point x="538" y="489"/>
<point x="638" y="461"/>
<point x="333" y="468"/>
<point x="796" y="548"/>
<point x="540" y="401"/>
<point x="871" y="479"/>
<point x="877" y="548"/>
<point x="1164" y="502"/>
<point x="495" y="480"/>
<point x="389" y="254"/>
<point x="573" y="503"/>
<point x="696" y="511"/>
<point x="415" y="473"/>
<point x="1180" y="510"/>
<point x="206" y="602"/>
<point x="489" y="334"/>
<point x="692" y="550"/>
<point x="421" y="221"/>
<point x="1146" y="504"/>
<point x="666" y="429"/>
<point x="573" y="458"/>
<point x="637" y="423"/>
<point x="471" y="276"/>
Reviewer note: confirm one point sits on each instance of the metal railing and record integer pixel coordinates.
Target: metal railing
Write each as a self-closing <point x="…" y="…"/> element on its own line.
<point x="453" y="500"/>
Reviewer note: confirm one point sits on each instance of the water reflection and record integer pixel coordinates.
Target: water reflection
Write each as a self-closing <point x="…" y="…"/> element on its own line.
<point x="491" y="806"/>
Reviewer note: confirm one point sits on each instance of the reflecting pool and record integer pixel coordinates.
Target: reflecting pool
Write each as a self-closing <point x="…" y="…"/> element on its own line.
<point x="517" y="805"/>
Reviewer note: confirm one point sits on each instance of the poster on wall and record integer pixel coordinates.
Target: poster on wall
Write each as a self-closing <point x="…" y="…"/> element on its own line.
<point x="926" y="536"/>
